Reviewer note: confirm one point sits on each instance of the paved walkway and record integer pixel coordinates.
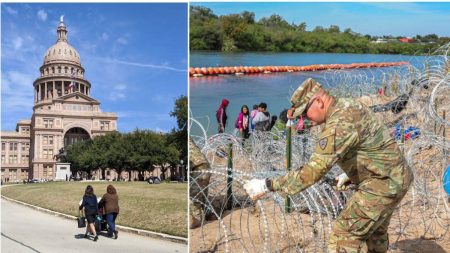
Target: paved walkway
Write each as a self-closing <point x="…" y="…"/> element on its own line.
<point x="24" y="229"/>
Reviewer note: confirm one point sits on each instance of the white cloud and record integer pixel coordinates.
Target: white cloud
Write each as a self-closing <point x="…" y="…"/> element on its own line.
<point x="11" y="10"/>
<point x="122" y="41"/>
<point x="118" y="92"/>
<point x="17" y="91"/>
<point x="17" y="42"/>
<point x="42" y="15"/>
<point x="120" y="86"/>
<point x="144" y="65"/>
<point x="105" y="36"/>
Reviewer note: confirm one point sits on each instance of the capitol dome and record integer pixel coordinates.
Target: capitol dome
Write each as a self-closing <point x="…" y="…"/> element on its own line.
<point x="62" y="51"/>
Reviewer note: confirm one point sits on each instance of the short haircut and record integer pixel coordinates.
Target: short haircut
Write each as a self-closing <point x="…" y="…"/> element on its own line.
<point x="263" y="105"/>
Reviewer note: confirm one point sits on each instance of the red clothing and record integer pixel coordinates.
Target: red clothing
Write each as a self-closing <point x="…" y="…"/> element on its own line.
<point x="242" y="122"/>
<point x="221" y="113"/>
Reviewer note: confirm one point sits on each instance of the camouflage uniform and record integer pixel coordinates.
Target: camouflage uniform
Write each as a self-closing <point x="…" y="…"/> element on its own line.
<point x="353" y="138"/>
<point x="198" y="191"/>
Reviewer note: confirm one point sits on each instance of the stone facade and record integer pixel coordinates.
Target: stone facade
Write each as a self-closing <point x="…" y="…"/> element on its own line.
<point x="63" y="113"/>
<point x="15" y="152"/>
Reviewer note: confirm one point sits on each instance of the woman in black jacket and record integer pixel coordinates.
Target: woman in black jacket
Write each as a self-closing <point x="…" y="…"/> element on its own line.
<point x="90" y="210"/>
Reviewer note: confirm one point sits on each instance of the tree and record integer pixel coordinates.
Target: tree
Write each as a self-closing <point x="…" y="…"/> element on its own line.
<point x="334" y="29"/>
<point x="301" y="27"/>
<point x="179" y="135"/>
<point x="249" y="17"/>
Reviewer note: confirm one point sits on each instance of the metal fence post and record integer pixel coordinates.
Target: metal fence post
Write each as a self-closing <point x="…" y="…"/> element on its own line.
<point x="230" y="178"/>
<point x="287" y="205"/>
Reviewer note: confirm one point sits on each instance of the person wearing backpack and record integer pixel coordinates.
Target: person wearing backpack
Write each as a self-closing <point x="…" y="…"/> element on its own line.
<point x="242" y="122"/>
<point x="262" y="119"/>
<point x="221" y="115"/>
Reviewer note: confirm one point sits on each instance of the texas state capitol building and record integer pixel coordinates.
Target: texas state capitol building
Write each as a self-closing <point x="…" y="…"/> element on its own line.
<point x="63" y="113"/>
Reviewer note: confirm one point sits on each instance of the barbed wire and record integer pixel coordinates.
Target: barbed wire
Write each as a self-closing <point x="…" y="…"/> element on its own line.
<point x="264" y="226"/>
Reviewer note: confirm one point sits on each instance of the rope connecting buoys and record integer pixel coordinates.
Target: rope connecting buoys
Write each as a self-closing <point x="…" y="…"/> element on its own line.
<point x="236" y="70"/>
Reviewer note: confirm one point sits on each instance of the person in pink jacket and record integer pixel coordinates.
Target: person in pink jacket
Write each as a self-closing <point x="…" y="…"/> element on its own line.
<point x="243" y="122"/>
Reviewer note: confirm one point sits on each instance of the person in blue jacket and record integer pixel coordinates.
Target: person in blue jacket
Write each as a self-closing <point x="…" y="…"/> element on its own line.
<point x="90" y="205"/>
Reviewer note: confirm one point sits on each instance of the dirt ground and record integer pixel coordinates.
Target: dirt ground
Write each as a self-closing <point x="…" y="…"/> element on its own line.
<point x="420" y="224"/>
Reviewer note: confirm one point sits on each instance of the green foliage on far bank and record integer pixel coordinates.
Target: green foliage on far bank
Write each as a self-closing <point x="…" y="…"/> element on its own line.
<point x="241" y="32"/>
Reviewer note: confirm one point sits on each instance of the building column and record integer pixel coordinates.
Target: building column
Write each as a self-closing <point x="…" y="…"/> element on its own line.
<point x="54" y="89"/>
<point x="46" y="91"/>
<point x="38" y="86"/>
<point x="41" y="88"/>
<point x="19" y="152"/>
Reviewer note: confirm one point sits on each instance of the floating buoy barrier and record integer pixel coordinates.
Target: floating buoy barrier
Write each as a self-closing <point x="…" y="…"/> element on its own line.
<point x="240" y="70"/>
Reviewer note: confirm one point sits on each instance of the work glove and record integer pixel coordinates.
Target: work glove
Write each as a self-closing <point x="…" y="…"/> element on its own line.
<point x="343" y="182"/>
<point x="256" y="188"/>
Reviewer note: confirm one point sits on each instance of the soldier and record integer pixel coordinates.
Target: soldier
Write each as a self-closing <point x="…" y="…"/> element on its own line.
<point x="361" y="145"/>
<point x="198" y="191"/>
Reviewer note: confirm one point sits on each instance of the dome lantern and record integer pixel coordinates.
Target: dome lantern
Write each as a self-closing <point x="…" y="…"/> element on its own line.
<point x="62" y="51"/>
<point x="62" y="31"/>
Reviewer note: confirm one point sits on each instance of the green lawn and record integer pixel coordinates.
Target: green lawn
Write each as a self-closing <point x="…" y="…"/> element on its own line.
<point x="159" y="208"/>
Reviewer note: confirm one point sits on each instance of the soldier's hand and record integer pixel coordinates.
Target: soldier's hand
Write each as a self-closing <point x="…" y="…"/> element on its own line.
<point x="256" y="188"/>
<point x="290" y="113"/>
<point x="343" y="181"/>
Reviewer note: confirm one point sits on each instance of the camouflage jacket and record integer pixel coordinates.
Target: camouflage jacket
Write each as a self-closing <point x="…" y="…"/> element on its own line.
<point x="361" y="145"/>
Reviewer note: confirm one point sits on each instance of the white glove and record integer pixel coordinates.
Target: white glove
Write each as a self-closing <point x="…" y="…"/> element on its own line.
<point x="256" y="188"/>
<point x="342" y="179"/>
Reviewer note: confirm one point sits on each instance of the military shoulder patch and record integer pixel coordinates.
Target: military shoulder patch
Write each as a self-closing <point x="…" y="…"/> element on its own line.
<point x="323" y="143"/>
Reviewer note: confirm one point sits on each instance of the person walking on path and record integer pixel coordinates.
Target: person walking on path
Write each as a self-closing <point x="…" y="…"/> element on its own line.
<point x="242" y="122"/>
<point x="361" y="145"/>
<point x="262" y="119"/>
<point x="90" y="205"/>
<point x="110" y="201"/>
<point x="221" y="115"/>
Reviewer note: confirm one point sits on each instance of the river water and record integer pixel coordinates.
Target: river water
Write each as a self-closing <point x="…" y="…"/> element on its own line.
<point x="206" y="93"/>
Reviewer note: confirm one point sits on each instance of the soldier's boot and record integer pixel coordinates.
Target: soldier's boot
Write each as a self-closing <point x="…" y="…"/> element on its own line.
<point x="378" y="242"/>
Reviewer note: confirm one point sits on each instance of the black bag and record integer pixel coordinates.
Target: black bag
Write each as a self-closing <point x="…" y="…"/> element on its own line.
<point x="99" y="223"/>
<point x="81" y="220"/>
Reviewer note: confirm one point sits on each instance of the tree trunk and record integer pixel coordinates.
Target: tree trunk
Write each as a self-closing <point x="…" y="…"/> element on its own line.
<point x="163" y="173"/>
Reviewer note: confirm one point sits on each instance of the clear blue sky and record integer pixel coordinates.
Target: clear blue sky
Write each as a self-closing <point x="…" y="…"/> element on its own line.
<point x="398" y="19"/>
<point x="134" y="55"/>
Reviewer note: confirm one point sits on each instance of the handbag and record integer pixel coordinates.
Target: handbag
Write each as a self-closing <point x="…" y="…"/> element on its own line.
<point x="81" y="220"/>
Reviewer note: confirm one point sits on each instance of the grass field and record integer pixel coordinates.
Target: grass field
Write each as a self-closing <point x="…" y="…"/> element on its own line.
<point x="160" y="208"/>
